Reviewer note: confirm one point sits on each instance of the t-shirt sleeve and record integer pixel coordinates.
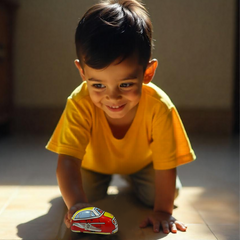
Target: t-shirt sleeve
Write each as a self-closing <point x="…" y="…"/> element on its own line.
<point x="170" y="144"/>
<point x="72" y="133"/>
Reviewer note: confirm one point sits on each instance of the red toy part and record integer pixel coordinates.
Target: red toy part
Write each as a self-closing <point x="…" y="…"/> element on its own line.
<point x="94" y="220"/>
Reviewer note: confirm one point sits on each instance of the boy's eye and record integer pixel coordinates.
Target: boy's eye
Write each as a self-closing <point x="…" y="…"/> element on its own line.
<point x="98" y="85"/>
<point x="125" y="85"/>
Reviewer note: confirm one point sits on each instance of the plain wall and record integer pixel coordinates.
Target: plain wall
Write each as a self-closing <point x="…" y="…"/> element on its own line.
<point x="194" y="44"/>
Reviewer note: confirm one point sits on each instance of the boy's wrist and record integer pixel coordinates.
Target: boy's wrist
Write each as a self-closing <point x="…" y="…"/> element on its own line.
<point x="163" y="210"/>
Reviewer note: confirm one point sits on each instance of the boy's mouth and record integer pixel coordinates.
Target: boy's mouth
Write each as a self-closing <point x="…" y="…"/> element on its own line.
<point x="116" y="108"/>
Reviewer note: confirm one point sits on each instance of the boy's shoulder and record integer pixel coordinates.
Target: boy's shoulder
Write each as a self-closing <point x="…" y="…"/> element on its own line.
<point x="80" y="93"/>
<point x="79" y="99"/>
<point x="156" y="95"/>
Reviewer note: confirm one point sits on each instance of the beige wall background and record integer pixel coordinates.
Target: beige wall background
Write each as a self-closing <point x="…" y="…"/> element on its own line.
<point x="194" y="44"/>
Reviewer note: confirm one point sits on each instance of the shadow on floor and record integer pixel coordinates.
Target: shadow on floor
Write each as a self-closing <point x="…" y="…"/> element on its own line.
<point x="129" y="212"/>
<point x="46" y="227"/>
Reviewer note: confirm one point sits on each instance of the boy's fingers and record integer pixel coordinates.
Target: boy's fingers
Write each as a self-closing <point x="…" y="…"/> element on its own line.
<point x="71" y="211"/>
<point x="156" y="226"/>
<point x="181" y="226"/>
<point x="173" y="227"/>
<point x="165" y="226"/>
<point x="66" y="220"/>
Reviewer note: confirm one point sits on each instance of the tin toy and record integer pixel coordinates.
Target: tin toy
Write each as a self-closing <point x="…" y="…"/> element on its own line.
<point x="94" y="220"/>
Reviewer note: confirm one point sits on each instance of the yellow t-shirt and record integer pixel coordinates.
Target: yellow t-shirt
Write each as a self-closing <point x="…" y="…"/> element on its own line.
<point x="155" y="135"/>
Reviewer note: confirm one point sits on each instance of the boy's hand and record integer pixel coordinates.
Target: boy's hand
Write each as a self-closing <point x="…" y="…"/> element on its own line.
<point x="163" y="220"/>
<point x="72" y="210"/>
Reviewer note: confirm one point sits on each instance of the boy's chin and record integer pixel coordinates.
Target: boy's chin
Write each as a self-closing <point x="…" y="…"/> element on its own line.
<point x="115" y="116"/>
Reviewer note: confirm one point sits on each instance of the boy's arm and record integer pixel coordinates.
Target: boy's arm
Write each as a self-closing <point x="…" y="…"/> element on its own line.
<point x="70" y="184"/>
<point x="165" y="184"/>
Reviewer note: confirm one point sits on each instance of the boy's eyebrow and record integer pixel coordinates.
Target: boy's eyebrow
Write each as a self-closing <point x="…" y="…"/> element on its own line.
<point x="95" y="80"/>
<point x="124" y="79"/>
<point x="128" y="78"/>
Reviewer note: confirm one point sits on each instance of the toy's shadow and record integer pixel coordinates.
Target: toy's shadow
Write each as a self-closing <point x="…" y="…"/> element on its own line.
<point x="128" y="211"/>
<point x="46" y="226"/>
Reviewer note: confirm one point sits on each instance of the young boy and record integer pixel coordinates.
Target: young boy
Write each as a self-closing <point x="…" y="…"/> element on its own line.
<point x="116" y="121"/>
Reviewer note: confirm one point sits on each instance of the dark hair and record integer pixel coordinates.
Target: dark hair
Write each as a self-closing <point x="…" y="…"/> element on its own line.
<point x="114" y="29"/>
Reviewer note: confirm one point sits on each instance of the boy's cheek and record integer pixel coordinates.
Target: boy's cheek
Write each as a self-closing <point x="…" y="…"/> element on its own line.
<point x="134" y="95"/>
<point x="96" y="99"/>
<point x="95" y="96"/>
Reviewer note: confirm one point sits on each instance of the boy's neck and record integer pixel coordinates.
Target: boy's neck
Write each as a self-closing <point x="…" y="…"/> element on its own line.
<point x="120" y="127"/>
<point x="125" y="121"/>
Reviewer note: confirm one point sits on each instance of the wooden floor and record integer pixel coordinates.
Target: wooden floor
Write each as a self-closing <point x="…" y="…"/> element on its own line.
<point x="31" y="207"/>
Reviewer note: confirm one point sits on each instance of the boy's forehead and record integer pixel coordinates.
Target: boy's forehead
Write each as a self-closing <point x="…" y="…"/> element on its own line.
<point x="120" y="69"/>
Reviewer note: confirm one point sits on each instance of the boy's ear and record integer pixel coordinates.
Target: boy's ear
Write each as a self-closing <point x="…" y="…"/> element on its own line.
<point x="150" y="71"/>
<point x="78" y="66"/>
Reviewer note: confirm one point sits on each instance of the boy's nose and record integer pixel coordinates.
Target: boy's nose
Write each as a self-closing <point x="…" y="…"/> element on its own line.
<point x="114" y="94"/>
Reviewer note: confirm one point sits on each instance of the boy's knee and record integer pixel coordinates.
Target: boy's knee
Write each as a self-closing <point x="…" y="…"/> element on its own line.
<point x="145" y="190"/>
<point x="95" y="185"/>
<point x="94" y="196"/>
<point x="147" y="197"/>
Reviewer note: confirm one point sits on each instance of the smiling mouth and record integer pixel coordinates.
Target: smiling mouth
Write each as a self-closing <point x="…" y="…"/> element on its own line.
<point x="116" y="108"/>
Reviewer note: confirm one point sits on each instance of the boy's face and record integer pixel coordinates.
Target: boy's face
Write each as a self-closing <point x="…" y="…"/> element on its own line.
<point x="117" y="88"/>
